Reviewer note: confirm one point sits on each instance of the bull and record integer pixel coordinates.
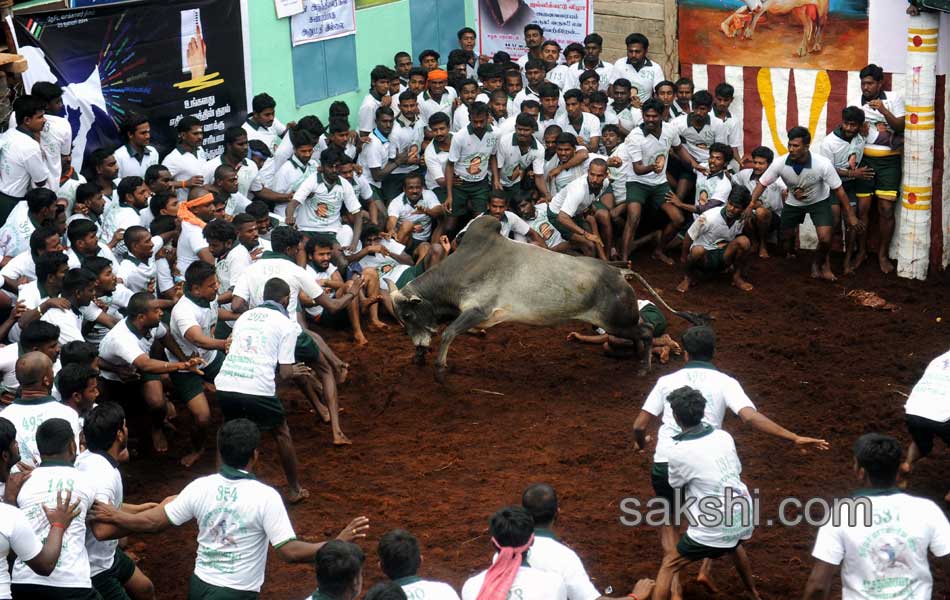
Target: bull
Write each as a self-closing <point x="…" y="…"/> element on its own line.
<point x="490" y="279"/>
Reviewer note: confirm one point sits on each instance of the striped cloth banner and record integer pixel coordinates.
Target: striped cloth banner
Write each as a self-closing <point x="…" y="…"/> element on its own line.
<point x="770" y="101"/>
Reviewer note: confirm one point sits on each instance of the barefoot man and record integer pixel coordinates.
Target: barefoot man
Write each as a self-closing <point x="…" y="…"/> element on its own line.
<point x="715" y="243"/>
<point x="811" y="180"/>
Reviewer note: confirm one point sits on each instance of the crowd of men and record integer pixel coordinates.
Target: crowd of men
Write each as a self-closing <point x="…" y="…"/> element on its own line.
<point x="190" y="281"/>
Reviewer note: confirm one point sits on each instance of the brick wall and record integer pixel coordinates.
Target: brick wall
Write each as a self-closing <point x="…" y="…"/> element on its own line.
<point x="615" y="19"/>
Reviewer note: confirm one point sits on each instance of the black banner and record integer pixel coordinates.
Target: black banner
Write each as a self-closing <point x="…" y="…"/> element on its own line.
<point x="161" y="58"/>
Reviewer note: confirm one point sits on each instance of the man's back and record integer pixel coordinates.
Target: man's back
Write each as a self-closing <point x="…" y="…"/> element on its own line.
<point x="888" y="558"/>
<point x="28" y="415"/>
<point x="549" y="554"/>
<point x="529" y="584"/>
<point x="46" y="481"/>
<point x="416" y="587"/>
<point x="237" y="516"/>
<point x="250" y="285"/>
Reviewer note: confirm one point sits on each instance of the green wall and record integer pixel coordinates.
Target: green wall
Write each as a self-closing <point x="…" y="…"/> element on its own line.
<point x="380" y="32"/>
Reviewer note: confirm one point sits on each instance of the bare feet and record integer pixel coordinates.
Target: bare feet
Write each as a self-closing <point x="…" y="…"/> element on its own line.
<point x="847" y="270"/>
<point x="297" y="496"/>
<point x="823" y="273"/>
<point x="360" y="339"/>
<point x="887" y="267"/>
<point x="322" y="411"/>
<point x="706" y="581"/>
<point x="341" y="371"/>
<point x="662" y="257"/>
<point x="378" y="325"/>
<point x="159" y="441"/>
<point x="859" y="260"/>
<point x="683" y="287"/>
<point x="339" y="439"/>
<point x="741" y="283"/>
<point x="763" y="252"/>
<point x="190" y="459"/>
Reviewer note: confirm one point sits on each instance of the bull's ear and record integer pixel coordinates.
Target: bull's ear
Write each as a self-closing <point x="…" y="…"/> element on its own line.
<point x="415" y="300"/>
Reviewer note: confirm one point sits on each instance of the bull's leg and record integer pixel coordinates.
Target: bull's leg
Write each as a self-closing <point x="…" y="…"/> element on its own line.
<point x="465" y="321"/>
<point x="644" y="348"/>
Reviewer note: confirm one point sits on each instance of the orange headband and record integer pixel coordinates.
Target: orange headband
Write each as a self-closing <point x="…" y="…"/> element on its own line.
<point x="438" y="75"/>
<point x="206" y="199"/>
<point x="185" y="214"/>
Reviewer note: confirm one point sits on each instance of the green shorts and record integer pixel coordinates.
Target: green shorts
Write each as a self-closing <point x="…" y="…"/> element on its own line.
<point x="566" y="233"/>
<point x="411" y="273"/>
<point x="187" y="385"/>
<point x="692" y="550"/>
<point x="652" y="316"/>
<point x="440" y="193"/>
<point x="392" y="186"/>
<point x="266" y="412"/>
<point x="821" y="215"/>
<point x="338" y="320"/>
<point x="222" y="330"/>
<point x="199" y="590"/>
<point x="306" y="349"/>
<point x="470" y="197"/>
<point x="110" y="582"/>
<point x="714" y="261"/>
<point x="648" y="195"/>
<point x="887" y="177"/>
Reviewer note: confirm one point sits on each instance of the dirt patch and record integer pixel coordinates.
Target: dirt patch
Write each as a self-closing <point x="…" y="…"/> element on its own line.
<point x="439" y="460"/>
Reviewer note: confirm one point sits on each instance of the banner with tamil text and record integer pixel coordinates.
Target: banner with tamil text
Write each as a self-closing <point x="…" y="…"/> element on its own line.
<point x="500" y="23"/>
<point x="323" y="20"/>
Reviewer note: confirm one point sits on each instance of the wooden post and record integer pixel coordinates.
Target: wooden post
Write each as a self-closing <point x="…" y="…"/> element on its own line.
<point x="671" y="61"/>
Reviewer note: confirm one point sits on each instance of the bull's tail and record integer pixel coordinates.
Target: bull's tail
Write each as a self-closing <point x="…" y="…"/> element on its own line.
<point x="694" y="318"/>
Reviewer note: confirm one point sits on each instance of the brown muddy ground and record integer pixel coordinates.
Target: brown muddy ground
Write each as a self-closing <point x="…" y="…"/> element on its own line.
<point x="439" y="460"/>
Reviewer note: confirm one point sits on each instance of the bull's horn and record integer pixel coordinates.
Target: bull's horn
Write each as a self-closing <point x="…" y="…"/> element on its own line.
<point x="415" y="300"/>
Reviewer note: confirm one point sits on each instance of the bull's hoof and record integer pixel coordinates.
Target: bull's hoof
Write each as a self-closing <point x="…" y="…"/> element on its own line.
<point x="440" y="372"/>
<point x="420" y="356"/>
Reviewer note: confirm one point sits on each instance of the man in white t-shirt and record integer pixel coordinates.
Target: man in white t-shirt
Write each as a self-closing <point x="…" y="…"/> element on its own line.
<point x="881" y="541"/>
<point x="812" y="185"/>
<point x="129" y="344"/>
<point x="512" y="225"/>
<point x="536" y="216"/>
<point x="768" y="209"/>
<point x="237" y="517"/>
<point x="37" y="210"/>
<point x="928" y="412"/>
<point x="35" y="405"/>
<point x="471" y="158"/>
<point x="703" y="461"/>
<point x="549" y="554"/>
<point x="186" y="162"/>
<point x="569" y="208"/>
<point x="16" y="531"/>
<point x="38" y="336"/>
<point x="191" y="244"/>
<point x="262" y="124"/>
<point x="436" y="154"/>
<point x="57" y="445"/>
<point x="23" y="166"/>
<point x="265" y="340"/>
<point x="192" y="325"/>
<point x="512" y="534"/>
<point x="583" y="125"/>
<point x="721" y="392"/>
<point x="106" y="437"/>
<point x="231" y="259"/>
<point x="411" y="213"/>
<point x="715" y="242"/>
<point x="399" y="559"/>
<point x="136" y="156"/>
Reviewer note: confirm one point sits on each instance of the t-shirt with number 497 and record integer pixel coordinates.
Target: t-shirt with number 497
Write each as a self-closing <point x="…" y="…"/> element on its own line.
<point x="237" y="517"/>
<point x="888" y="558"/>
<point x="529" y="584"/>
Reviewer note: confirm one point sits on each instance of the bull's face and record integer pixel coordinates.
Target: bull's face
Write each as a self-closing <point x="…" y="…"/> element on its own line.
<point x="417" y="315"/>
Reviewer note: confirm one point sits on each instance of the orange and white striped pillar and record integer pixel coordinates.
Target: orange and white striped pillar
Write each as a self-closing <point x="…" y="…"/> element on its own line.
<point x="913" y="247"/>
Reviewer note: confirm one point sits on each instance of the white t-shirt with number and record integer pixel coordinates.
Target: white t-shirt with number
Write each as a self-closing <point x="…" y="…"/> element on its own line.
<point x="321" y="204"/>
<point x="930" y="397"/>
<point x="187" y="314"/>
<point x="16" y="534"/>
<point x="250" y="284"/>
<point x="263" y="338"/>
<point x="774" y="196"/>
<point x="108" y="482"/>
<point x="711" y="229"/>
<point x="27" y="416"/>
<point x="387" y="267"/>
<point x="720" y="391"/>
<point x="887" y="559"/>
<point x="422" y="589"/>
<point x="72" y="569"/>
<point x="589" y="128"/>
<point x="236" y="518"/>
<point x="122" y="345"/>
<point x="706" y="465"/>
<point x="541" y="224"/>
<point x="529" y="584"/>
<point x="470" y="154"/>
<point x="816" y="178"/>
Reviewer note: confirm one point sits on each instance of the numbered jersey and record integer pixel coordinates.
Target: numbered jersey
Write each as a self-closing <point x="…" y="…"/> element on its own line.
<point x="27" y="416"/>
<point x="529" y="584"/>
<point x="47" y="480"/>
